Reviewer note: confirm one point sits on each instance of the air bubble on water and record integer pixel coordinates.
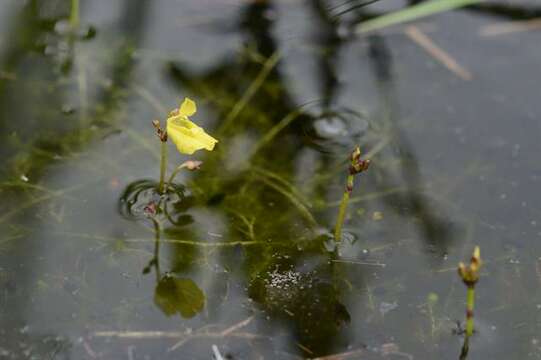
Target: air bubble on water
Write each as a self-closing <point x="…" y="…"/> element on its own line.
<point x="364" y="253"/>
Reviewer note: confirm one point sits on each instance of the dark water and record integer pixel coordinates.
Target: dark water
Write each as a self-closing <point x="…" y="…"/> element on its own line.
<point x="240" y="260"/>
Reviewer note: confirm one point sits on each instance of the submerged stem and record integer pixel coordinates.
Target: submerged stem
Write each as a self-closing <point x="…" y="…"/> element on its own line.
<point x="163" y="166"/>
<point x="74" y="14"/>
<point x="465" y="349"/>
<point x="342" y="210"/>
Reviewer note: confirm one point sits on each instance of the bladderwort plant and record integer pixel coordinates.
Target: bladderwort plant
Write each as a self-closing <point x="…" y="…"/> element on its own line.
<point x="187" y="136"/>
<point x="356" y="166"/>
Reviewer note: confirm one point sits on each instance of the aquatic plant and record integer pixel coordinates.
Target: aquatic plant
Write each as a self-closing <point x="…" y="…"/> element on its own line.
<point x="187" y="136"/>
<point x="356" y="166"/>
<point x="470" y="275"/>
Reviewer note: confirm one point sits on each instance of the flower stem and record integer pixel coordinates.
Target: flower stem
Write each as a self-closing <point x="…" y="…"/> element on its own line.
<point x="356" y="167"/>
<point x="470" y="275"/>
<point x="470" y="302"/>
<point x="342" y="211"/>
<point x="74" y="14"/>
<point x="175" y="172"/>
<point x="163" y="167"/>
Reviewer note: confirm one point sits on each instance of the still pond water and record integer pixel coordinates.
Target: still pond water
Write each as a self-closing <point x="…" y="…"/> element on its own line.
<point x="239" y="265"/>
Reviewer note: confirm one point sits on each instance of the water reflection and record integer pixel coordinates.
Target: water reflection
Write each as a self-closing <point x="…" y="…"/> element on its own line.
<point x="309" y="311"/>
<point x="304" y="299"/>
<point x="436" y="232"/>
<point x="141" y="201"/>
<point x="38" y="132"/>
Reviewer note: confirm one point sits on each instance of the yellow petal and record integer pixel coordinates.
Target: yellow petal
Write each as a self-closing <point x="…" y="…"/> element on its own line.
<point x="187" y="108"/>
<point x="187" y="136"/>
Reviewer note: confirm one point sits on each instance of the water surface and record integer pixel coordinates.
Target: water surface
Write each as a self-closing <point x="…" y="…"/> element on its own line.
<point x="241" y="259"/>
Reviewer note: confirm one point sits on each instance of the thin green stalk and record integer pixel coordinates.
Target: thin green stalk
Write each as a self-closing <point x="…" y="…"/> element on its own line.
<point x="163" y="167"/>
<point x="74" y="14"/>
<point x="356" y="166"/>
<point x="176" y="171"/>
<point x="470" y="302"/>
<point x="470" y="276"/>
<point x="343" y="207"/>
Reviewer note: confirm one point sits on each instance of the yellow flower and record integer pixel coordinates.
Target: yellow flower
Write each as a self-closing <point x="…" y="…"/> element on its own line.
<point x="187" y="136"/>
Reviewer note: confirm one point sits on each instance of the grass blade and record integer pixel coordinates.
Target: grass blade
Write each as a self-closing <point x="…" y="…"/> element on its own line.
<point x="412" y="13"/>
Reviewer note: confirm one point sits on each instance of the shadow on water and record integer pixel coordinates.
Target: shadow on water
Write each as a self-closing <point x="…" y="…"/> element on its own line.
<point x="435" y="230"/>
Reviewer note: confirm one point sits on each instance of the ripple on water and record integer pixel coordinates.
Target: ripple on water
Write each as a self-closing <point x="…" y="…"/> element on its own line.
<point x="336" y="129"/>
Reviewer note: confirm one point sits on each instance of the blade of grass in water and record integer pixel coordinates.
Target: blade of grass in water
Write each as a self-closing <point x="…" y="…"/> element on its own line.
<point x="413" y="13"/>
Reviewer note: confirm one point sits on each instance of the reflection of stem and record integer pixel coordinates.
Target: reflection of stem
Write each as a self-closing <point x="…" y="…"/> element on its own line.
<point x="163" y="166"/>
<point x="343" y="207"/>
<point x="156" y="259"/>
<point x="74" y="15"/>
<point x="465" y="348"/>
<point x="469" y="310"/>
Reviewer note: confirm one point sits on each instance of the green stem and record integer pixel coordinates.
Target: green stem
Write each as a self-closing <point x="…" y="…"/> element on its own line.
<point x="163" y="167"/>
<point x="342" y="211"/>
<point x="175" y="172"/>
<point x="469" y="310"/>
<point x="74" y="15"/>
